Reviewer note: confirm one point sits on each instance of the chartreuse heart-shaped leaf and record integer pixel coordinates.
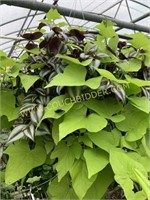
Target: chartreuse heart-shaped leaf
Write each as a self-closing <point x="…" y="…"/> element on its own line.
<point x="93" y="83"/>
<point x="31" y="80"/>
<point x="61" y="190"/>
<point x="77" y="118"/>
<point x="107" y="108"/>
<point x="16" y="68"/>
<point x="22" y="159"/>
<point x="75" y="60"/>
<point x="124" y="169"/>
<point x="65" y="158"/>
<point x="106" y="140"/>
<point x="8" y="107"/>
<point x="57" y="107"/>
<point x="80" y="181"/>
<point x="55" y="129"/>
<point x="113" y="42"/>
<point x="106" y="29"/>
<point x="131" y="65"/>
<point x="139" y="40"/>
<point x="135" y="123"/>
<point x="52" y="15"/>
<point x="128" y="145"/>
<point x="110" y="76"/>
<point x="6" y="62"/>
<point x="132" y="89"/>
<point x="137" y="82"/>
<point x="146" y="145"/>
<point x="101" y="184"/>
<point x="141" y="103"/>
<point x="96" y="160"/>
<point x="72" y="77"/>
<point x="143" y="181"/>
<point x="141" y="158"/>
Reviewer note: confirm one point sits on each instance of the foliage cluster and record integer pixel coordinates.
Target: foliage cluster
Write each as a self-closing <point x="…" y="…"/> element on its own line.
<point x="85" y="149"/>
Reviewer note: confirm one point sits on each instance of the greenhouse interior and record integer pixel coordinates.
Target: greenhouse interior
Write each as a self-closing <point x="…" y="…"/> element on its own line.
<point x="75" y="99"/>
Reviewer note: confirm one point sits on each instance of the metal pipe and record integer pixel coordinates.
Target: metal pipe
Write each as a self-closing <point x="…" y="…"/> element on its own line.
<point x="34" y="5"/>
<point x="110" y="7"/>
<point x="137" y="19"/>
<point x="142" y="4"/>
<point x="10" y="37"/>
<point x="20" y="18"/>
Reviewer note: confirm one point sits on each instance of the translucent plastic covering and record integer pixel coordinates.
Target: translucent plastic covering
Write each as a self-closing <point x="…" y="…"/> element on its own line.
<point x="14" y="21"/>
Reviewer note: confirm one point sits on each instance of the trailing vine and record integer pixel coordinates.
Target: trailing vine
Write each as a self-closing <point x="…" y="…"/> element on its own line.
<point x="75" y="114"/>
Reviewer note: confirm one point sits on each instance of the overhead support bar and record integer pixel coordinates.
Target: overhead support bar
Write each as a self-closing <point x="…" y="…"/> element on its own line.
<point x="34" y="5"/>
<point x="10" y="37"/>
<point x="138" y="19"/>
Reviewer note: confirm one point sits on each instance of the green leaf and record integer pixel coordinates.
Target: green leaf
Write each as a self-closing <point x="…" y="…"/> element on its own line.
<point x="8" y="109"/>
<point x="52" y="15"/>
<point x="147" y="58"/>
<point x="141" y="103"/>
<point x="144" y="160"/>
<point x="124" y="168"/>
<point x="139" y="40"/>
<point x="80" y="181"/>
<point x="143" y="182"/>
<point x="131" y="65"/>
<point x="139" y="195"/>
<point x="101" y="184"/>
<point x="23" y="57"/>
<point x="85" y="140"/>
<point x="37" y="65"/>
<point x="93" y="83"/>
<point x="33" y="179"/>
<point x="106" y="140"/>
<point x="76" y="119"/>
<point x="23" y="159"/>
<point x="132" y="89"/>
<point x="96" y="160"/>
<point x="65" y="159"/>
<point x="76" y="149"/>
<point x="49" y="146"/>
<point x="137" y="82"/>
<point x="28" y="80"/>
<point x="113" y="43"/>
<point x="61" y="190"/>
<point x="6" y="62"/>
<point x="70" y="77"/>
<point x="55" y="130"/>
<point x="59" y="103"/>
<point x="72" y="60"/>
<point x="146" y="145"/>
<point x="4" y="123"/>
<point x="2" y="175"/>
<point x="107" y="108"/>
<point x="128" y="145"/>
<point x="109" y="75"/>
<point x="106" y="28"/>
<point x="16" y="68"/>
<point x="135" y="124"/>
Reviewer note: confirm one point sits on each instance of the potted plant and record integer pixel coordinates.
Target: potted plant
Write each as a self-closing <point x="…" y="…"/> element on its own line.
<point x="75" y="114"/>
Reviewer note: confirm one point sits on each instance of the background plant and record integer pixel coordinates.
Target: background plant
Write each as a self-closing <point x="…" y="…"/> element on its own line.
<point x="94" y="149"/>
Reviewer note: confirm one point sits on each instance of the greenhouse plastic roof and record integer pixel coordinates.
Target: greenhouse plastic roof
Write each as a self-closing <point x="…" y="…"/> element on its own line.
<point x="18" y="16"/>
